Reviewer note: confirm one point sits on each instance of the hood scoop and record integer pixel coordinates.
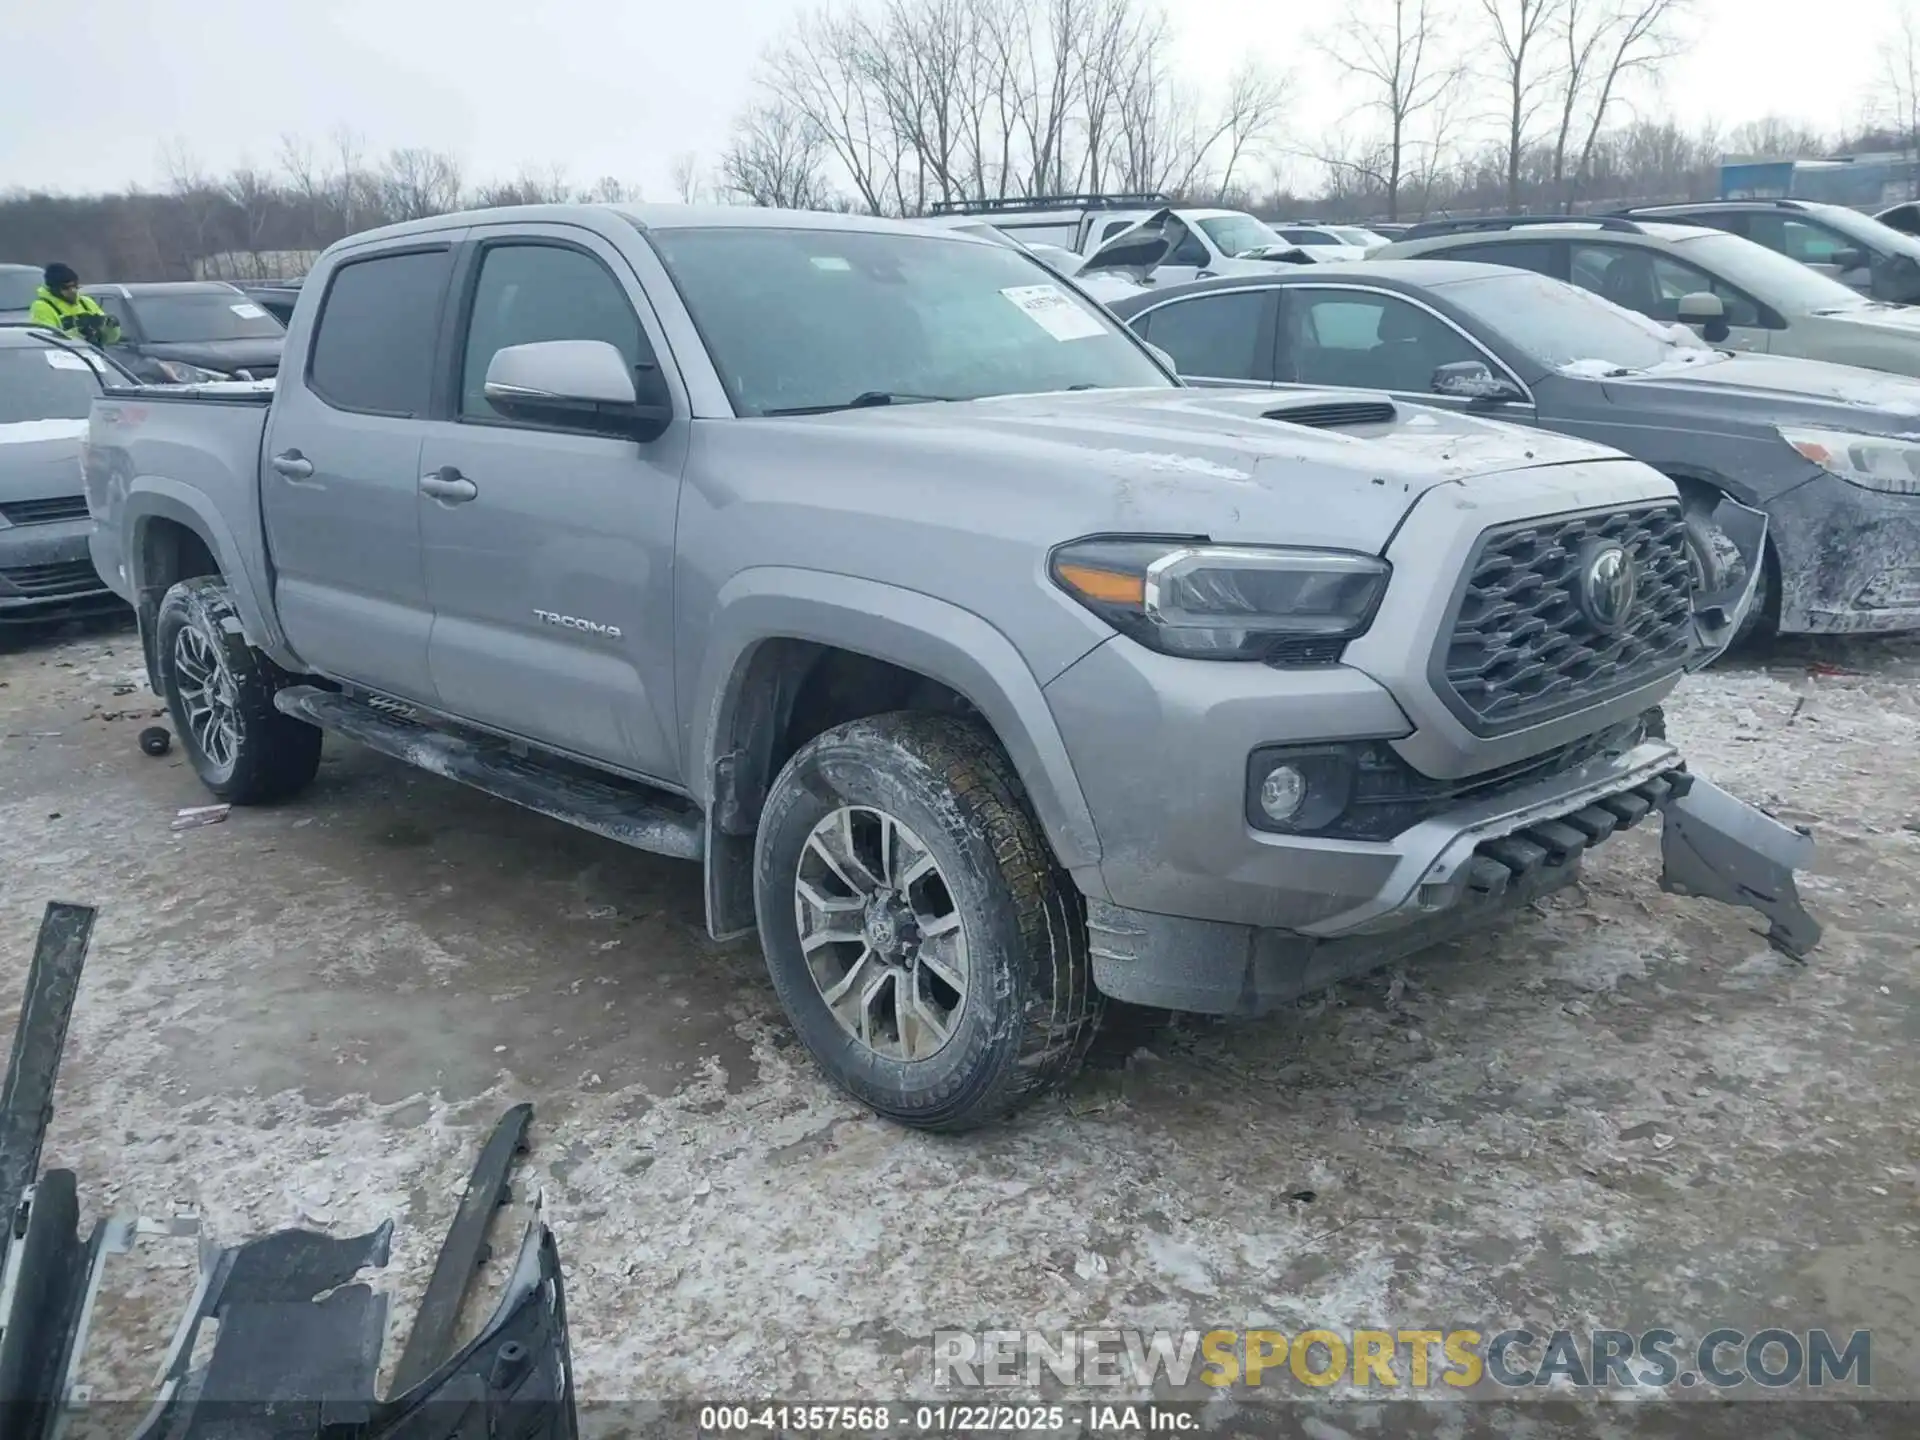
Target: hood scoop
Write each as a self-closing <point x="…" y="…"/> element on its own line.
<point x="1335" y="414"/>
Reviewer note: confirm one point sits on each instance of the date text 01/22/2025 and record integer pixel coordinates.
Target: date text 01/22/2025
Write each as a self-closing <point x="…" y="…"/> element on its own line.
<point x="944" y="1419"/>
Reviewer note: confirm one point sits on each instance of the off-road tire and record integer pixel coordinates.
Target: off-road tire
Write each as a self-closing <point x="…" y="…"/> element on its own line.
<point x="275" y="755"/>
<point x="1031" y="1010"/>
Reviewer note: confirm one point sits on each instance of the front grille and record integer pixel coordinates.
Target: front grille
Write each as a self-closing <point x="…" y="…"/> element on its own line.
<point x="1519" y="649"/>
<point x="44" y="512"/>
<point x="1391" y="797"/>
<point x="69" y="577"/>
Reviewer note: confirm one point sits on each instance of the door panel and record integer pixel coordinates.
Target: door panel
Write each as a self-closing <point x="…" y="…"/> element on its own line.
<point x="340" y="475"/>
<point x="552" y="586"/>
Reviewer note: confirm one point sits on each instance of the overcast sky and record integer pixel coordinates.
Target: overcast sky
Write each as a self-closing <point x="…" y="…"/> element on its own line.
<point x="612" y="87"/>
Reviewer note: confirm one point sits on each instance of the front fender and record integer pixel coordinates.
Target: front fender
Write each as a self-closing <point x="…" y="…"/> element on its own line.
<point x="155" y="497"/>
<point x="906" y="628"/>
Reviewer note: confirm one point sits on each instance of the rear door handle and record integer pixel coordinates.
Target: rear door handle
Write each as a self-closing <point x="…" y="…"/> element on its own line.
<point x="448" y="484"/>
<point x="293" y="465"/>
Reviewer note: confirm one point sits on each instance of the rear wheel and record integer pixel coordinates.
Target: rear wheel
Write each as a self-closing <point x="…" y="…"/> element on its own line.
<point x="220" y="692"/>
<point x="924" y="944"/>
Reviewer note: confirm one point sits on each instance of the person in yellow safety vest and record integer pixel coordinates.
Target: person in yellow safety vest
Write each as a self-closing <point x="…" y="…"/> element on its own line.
<point x="59" y="305"/>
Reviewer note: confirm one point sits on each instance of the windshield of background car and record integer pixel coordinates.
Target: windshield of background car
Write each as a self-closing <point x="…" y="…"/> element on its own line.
<point x="1237" y="234"/>
<point x="805" y="318"/>
<point x="212" y="315"/>
<point x="1767" y="275"/>
<point x="1562" y="325"/>
<point x="18" y="289"/>
<point x="44" y="382"/>
<point x="1366" y="239"/>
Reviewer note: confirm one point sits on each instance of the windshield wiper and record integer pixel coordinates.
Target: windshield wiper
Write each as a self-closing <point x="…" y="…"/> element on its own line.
<point x="864" y="400"/>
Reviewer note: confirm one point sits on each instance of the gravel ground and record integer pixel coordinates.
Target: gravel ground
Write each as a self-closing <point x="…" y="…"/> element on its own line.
<point x="1623" y="1110"/>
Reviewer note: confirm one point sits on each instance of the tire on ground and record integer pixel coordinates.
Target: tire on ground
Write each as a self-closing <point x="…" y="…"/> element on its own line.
<point x="274" y="755"/>
<point x="1031" y="1010"/>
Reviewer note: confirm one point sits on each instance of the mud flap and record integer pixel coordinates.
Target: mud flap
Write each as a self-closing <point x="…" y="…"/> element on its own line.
<point x="1719" y="848"/>
<point x="1726" y="591"/>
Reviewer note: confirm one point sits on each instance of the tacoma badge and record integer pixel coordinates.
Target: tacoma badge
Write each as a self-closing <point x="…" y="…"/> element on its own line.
<point x="574" y="622"/>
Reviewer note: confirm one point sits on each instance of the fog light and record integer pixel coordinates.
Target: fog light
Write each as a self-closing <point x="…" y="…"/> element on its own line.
<point x="1282" y="793"/>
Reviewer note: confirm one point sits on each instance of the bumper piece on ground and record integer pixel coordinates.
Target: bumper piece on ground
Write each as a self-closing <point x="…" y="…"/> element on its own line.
<point x="296" y="1353"/>
<point x="1719" y="848"/>
<point x="1714" y="846"/>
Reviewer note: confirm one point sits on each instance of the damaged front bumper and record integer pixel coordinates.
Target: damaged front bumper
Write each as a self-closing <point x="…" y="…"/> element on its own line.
<point x="1460" y="874"/>
<point x="296" y="1334"/>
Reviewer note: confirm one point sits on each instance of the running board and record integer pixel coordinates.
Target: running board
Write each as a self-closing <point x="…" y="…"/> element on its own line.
<point x="620" y="810"/>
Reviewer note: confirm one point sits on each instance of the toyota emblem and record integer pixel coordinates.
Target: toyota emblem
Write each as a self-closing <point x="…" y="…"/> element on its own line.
<point x="1608" y="585"/>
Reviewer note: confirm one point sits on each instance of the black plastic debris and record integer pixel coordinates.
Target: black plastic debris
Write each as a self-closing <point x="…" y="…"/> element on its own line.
<point x="298" y="1332"/>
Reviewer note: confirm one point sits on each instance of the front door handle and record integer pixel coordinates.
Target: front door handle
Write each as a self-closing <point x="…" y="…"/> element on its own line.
<point x="448" y="484"/>
<point x="293" y="465"/>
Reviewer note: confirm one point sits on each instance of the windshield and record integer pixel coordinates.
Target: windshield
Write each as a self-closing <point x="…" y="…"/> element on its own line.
<point x="1565" y="327"/>
<point x="44" y="382"/>
<point x="1872" y="234"/>
<point x="1766" y="274"/>
<point x="1237" y="234"/>
<point x="800" y="319"/>
<point x="1366" y="239"/>
<point x="171" y="319"/>
<point x="18" y="289"/>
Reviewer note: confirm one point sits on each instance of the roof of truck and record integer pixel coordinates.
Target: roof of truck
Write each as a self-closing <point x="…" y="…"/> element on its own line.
<point x="656" y="217"/>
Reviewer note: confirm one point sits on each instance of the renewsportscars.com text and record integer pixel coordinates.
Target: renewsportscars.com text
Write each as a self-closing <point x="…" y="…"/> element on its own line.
<point x="1401" y="1359"/>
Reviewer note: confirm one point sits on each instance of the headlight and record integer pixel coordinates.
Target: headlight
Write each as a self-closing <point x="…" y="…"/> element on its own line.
<point x="180" y="373"/>
<point x="1873" y="462"/>
<point x="1224" y="602"/>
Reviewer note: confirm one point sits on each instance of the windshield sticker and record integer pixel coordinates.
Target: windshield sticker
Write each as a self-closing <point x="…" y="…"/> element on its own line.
<point x="62" y="360"/>
<point x="247" y="311"/>
<point x="1049" y="308"/>
<point x="831" y="262"/>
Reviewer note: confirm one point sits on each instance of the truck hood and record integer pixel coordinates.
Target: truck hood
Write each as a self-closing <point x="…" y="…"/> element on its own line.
<point x="1771" y="388"/>
<point x="225" y="356"/>
<point x="1226" y="463"/>
<point x="40" y="459"/>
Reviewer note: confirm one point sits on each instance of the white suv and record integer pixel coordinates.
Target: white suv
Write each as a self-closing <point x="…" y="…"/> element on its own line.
<point x="1686" y="273"/>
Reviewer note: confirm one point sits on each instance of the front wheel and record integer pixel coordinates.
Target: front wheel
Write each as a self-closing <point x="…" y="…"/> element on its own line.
<point x="220" y="692"/>
<point x="923" y="942"/>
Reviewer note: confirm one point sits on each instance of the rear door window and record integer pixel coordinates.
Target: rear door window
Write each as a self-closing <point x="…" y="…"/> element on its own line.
<point x="1217" y="337"/>
<point x="373" y="349"/>
<point x="1653" y="283"/>
<point x="1538" y="256"/>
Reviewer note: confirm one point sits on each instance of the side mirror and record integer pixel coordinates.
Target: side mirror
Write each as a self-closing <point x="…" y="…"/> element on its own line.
<point x="584" y="383"/>
<point x="1472" y="380"/>
<point x="1845" y="260"/>
<point x="1705" y="309"/>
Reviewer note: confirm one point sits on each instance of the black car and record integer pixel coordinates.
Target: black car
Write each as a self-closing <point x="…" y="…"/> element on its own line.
<point x="187" y="330"/>
<point x="276" y="297"/>
<point x="1829" y="453"/>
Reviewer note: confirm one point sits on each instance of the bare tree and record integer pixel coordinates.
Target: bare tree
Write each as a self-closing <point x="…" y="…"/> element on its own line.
<point x="417" y="183"/>
<point x="1776" y="137"/>
<point x="1395" y="52"/>
<point x="1256" y="104"/>
<point x="774" y="158"/>
<point x="1606" y="44"/>
<point x="1900" y="70"/>
<point x="1521" y="31"/>
<point x="608" y="190"/>
<point x="687" y="184"/>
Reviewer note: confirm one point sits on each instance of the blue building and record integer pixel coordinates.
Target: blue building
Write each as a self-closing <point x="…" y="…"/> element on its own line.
<point x="1867" y="182"/>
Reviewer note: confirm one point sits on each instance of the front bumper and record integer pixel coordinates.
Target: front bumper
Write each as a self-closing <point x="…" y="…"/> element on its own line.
<point x="47" y="573"/>
<point x="1849" y="559"/>
<point x="1467" y="872"/>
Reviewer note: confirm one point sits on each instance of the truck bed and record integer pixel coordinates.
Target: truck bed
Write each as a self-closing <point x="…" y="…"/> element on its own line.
<point x="177" y="451"/>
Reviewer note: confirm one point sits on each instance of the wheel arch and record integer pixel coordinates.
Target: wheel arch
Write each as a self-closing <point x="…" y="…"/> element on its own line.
<point x="170" y="539"/>
<point x="793" y="652"/>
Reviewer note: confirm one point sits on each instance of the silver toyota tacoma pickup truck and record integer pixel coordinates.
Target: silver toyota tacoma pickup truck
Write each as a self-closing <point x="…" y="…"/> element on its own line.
<point x="988" y="671"/>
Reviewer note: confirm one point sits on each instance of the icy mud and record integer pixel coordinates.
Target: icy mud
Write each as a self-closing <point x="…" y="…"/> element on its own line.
<point x="1622" y="1111"/>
